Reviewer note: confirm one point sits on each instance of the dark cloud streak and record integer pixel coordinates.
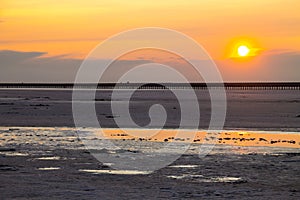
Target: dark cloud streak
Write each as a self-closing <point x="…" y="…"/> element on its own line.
<point x="50" y="40"/>
<point x="35" y="67"/>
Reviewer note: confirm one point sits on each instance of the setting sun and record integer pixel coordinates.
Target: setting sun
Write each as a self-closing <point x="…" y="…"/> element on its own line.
<point x="243" y="50"/>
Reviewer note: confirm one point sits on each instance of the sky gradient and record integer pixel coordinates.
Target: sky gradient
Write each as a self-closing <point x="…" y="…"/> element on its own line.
<point x="46" y="41"/>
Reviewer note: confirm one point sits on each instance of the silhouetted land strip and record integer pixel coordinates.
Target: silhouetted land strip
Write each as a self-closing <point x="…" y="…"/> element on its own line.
<point x="162" y="86"/>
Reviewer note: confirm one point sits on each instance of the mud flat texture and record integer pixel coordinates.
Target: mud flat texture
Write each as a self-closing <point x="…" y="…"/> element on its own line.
<point x="39" y="163"/>
<point x="52" y="163"/>
<point x="246" y="109"/>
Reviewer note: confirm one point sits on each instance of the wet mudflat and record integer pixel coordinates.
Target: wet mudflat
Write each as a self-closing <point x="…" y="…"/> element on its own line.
<point x="59" y="167"/>
<point x="215" y="176"/>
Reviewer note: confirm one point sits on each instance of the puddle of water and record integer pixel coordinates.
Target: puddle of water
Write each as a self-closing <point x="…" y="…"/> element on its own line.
<point x="185" y="176"/>
<point x="276" y="154"/>
<point x="15" y="154"/>
<point x="226" y="179"/>
<point x="118" y="172"/>
<point x="49" y="158"/>
<point x="48" y="168"/>
<point x="108" y="164"/>
<point x="201" y="178"/>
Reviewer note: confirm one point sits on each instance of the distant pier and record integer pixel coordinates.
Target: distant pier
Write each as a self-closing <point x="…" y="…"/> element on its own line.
<point x="158" y="86"/>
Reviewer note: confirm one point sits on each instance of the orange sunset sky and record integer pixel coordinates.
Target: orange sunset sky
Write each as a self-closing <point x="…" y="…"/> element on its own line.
<point x="46" y="40"/>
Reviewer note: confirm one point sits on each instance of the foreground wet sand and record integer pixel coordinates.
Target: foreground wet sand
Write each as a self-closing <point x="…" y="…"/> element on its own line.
<point x="217" y="176"/>
<point x="51" y="163"/>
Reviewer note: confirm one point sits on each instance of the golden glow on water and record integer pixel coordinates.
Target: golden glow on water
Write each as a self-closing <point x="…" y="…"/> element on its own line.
<point x="43" y="135"/>
<point x="236" y="138"/>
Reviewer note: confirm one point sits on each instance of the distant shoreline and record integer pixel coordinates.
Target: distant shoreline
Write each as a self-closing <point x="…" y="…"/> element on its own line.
<point x="161" y="86"/>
